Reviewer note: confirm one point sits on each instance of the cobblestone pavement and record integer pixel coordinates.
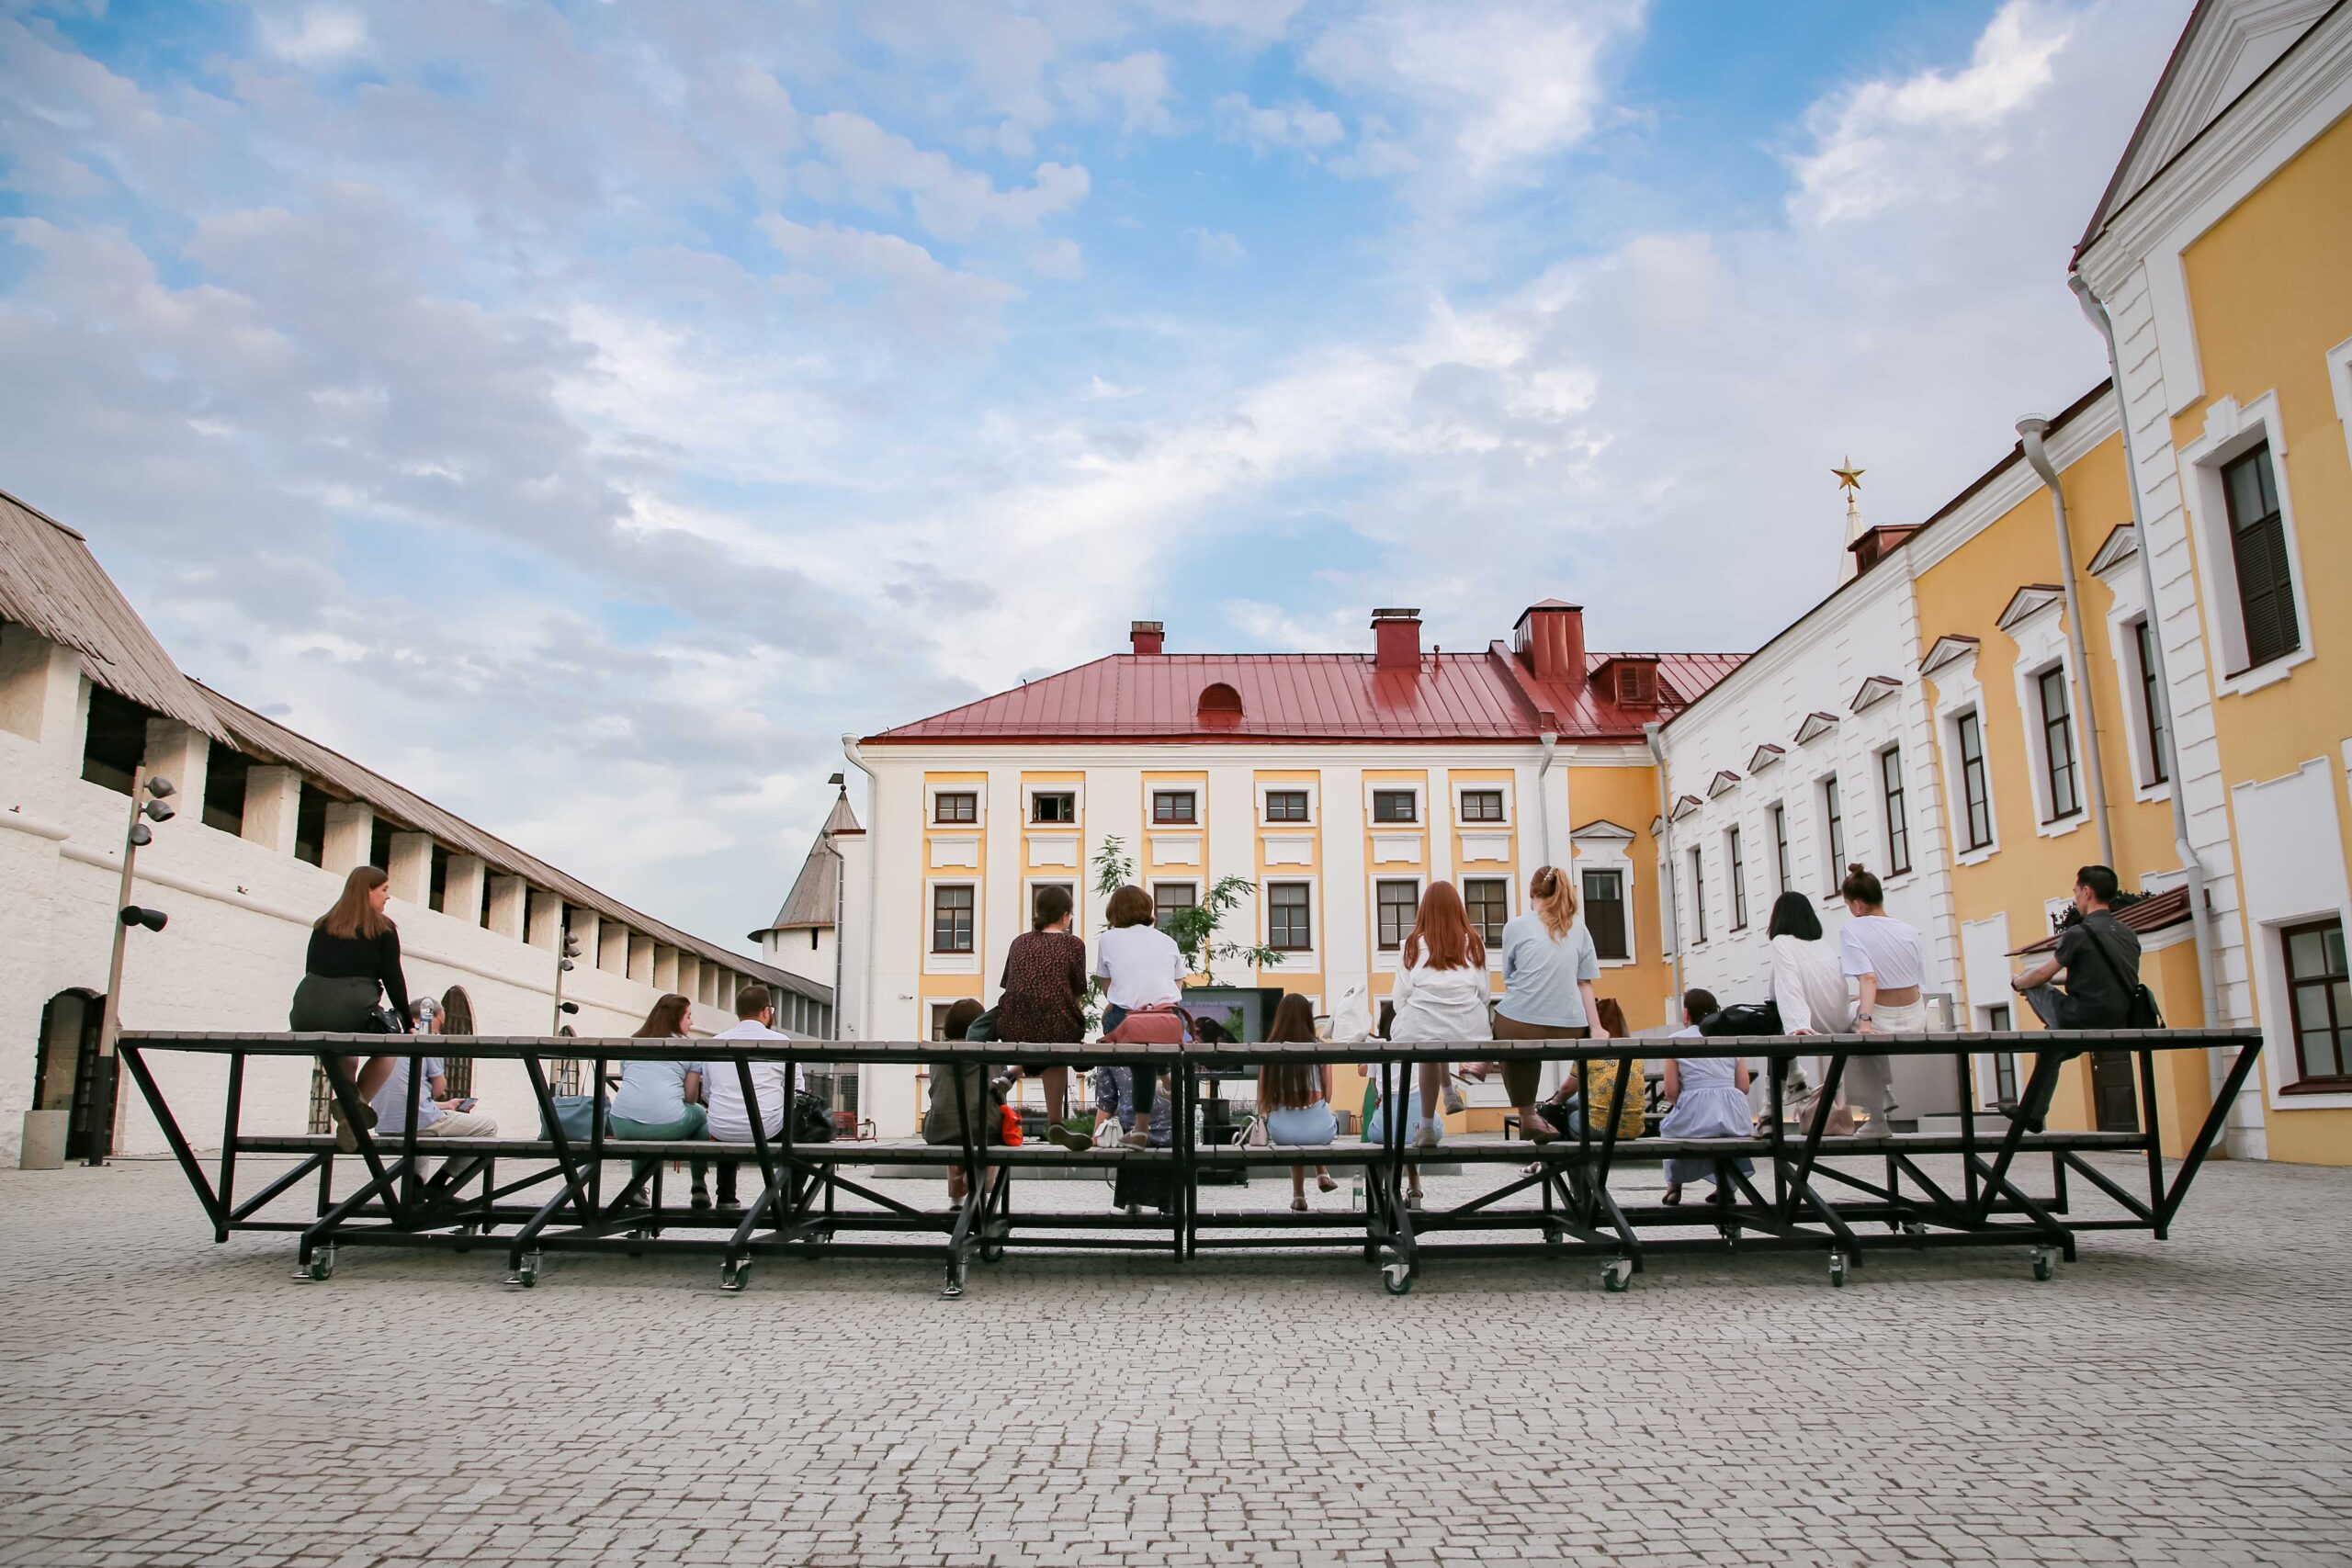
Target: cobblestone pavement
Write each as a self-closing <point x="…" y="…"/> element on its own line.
<point x="163" y="1400"/>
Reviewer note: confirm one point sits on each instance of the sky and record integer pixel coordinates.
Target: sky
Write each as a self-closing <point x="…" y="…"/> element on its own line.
<point x="587" y="412"/>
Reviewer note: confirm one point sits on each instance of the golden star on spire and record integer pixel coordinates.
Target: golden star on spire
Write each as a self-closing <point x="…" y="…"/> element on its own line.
<point x="1849" y="478"/>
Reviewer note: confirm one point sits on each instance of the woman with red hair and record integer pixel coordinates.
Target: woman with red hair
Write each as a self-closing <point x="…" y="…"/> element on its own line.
<point x="1441" y="995"/>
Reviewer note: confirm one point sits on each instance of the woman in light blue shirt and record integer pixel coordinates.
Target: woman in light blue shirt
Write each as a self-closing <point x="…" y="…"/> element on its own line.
<point x="658" y="1101"/>
<point x="1549" y="965"/>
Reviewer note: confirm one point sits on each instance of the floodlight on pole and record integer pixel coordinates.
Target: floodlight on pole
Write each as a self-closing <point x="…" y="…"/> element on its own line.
<point x="136" y="835"/>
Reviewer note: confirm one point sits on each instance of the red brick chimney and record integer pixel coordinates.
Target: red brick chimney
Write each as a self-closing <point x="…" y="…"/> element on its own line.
<point x="1549" y="639"/>
<point x="1148" y="636"/>
<point x="1396" y="639"/>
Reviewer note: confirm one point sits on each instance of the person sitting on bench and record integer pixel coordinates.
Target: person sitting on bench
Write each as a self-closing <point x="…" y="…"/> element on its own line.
<point x="962" y="1089"/>
<point x="729" y="1118"/>
<point x="659" y="1101"/>
<point x="2097" y="957"/>
<point x="1295" y="1098"/>
<point x="1710" y="1098"/>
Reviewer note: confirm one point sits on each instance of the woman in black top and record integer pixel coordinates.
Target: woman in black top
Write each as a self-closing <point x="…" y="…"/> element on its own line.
<point x="355" y="955"/>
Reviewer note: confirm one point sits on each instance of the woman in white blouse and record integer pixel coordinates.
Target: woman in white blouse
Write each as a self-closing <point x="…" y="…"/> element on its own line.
<point x="1888" y="963"/>
<point x="1801" y="973"/>
<point x="1442" y="993"/>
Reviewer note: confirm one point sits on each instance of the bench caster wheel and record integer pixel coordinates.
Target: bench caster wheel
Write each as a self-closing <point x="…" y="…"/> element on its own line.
<point x="322" y="1266"/>
<point x="733" y="1273"/>
<point x="1396" y="1279"/>
<point x="526" y="1272"/>
<point x="953" y="1289"/>
<point x="992" y="1252"/>
<point x="1617" y="1275"/>
<point x="1838" y="1269"/>
<point x="2043" y="1258"/>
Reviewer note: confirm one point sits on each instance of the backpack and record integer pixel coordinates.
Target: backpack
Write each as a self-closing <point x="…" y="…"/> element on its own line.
<point x="1742" y="1017"/>
<point x="812" y="1123"/>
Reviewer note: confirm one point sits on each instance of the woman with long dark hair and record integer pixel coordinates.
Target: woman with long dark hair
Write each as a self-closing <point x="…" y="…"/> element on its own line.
<point x="1295" y="1098"/>
<point x="1043" y="1002"/>
<point x="659" y="1101"/>
<point x="354" y="961"/>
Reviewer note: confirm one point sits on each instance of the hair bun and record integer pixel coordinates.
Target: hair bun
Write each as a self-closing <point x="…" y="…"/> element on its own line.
<point x="1853" y="867"/>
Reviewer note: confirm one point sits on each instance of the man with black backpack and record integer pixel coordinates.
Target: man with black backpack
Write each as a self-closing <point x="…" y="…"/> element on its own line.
<point x="2100" y="958"/>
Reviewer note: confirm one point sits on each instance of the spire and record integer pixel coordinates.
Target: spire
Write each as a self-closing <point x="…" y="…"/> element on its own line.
<point x="1849" y="482"/>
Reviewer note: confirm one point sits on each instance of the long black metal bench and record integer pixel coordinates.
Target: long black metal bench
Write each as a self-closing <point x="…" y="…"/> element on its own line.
<point x="547" y="1193"/>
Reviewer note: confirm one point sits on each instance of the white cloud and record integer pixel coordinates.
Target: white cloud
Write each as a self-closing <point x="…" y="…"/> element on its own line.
<point x="1496" y="84"/>
<point x="1061" y="260"/>
<point x="1868" y="142"/>
<point x="1295" y="126"/>
<point x="919" y="282"/>
<point x="1215" y="246"/>
<point x="1139" y="85"/>
<point x="950" y="201"/>
<point x="318" y="35"/>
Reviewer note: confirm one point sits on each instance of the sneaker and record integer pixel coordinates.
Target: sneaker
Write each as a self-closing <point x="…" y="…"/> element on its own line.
<point x="344" y="1139"/>
<point x="1135" y="1140"/>
<point x="1426" y="1138"/>
<point x="1065" y="1137"/>
<point x="1451" y="1098"/>
<point x="701" y="1199"/>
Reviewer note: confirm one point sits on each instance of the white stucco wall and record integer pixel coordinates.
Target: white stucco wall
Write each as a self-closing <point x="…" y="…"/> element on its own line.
<point x="231" y="954"/>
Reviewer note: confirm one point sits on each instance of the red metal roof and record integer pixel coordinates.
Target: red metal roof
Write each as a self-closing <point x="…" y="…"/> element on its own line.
<point x="1312" y="696"/>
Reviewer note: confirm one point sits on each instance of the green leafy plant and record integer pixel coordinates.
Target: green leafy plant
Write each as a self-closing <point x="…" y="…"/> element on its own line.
<point x="1194" y="930"/>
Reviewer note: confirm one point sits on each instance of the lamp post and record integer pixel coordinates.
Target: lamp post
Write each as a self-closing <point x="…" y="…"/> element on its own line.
<point x="155" y="808"/>
<point x="567" y="949"/>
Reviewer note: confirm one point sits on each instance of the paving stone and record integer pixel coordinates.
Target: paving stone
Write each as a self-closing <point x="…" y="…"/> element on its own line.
<point x="164" y="1402"/>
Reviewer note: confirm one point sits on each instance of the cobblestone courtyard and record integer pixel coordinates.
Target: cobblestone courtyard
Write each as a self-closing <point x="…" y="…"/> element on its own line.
<point x="170" y="1402"/>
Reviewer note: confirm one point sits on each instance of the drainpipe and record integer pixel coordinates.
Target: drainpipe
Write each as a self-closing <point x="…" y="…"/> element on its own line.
<point x="1550" y="740"/>
<point x="872" y="905"/>
<point x="2030" y="430"/>
<point x="1652" y="733"/>
<point x="2190" y="866"/>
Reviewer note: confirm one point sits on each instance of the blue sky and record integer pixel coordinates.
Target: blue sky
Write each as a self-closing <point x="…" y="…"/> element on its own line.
<point x="587" y="412"/>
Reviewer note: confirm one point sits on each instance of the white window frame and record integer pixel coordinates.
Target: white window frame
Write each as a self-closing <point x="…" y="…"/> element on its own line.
<point x="956" y="963"/>
<point x="2042" y="647"/>
<point x="1697" y="855"/>
<point x="1029" y="793"/>
<point x="1510" y="905"/>
<point x="1595" y="852"/>
<point x="1958" y="696"/>
<point x="2130" y="608"/>
<point x="1306" y="959"/>
<point x="1290" y="786"/>
<point x="1834" y="855"/>
<point x="1159" y="881"/>
<point x="2339" y="384"/>
<point x="1738" y="911"/>
<point x="1385" y="960"/>
<point x="1886" y="823"/>
<point x="1775" y="817"/>
<point x="2232" y="430"/>
<point x="1421" y="794"/>
<point x="1509" y="819"/>
<point x="1152" y="822"/>
<point x="977" y="789"/>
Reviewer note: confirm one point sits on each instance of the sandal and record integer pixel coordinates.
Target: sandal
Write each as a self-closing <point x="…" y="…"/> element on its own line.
<point x="1673" y="1195"/>
<point x="1326" y="1184"/>
<point x="1298" y="1206"/>
<point x="1536" y="1129"/>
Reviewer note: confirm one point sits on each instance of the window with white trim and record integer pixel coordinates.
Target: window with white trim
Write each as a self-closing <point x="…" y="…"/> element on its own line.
<point x="1833" y="831"/>
<point x="1780" y="848"/>
<point x="1735" y="867"/>
<point x="1175" y="807"/>
<point x="1698" y="895"/>
<point x="1395" y="806"/>
<point x="2265" y="578"/>
<point x="1396" y="902"/>
<point x="2154" y="738"/>
<point x="1290" y="917"/>
<point x="2062" y="778"/>
<point x="1604" y="913"/>
<point x="1975" y="788"/>
<point x="1488" y="898"/>
<point x="952" y="912"/>
<point x="1891" y="799"/>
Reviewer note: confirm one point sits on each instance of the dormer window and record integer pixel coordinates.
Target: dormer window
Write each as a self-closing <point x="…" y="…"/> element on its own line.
<point x="1637" y="684"/>
<point x="1219" y="708"/>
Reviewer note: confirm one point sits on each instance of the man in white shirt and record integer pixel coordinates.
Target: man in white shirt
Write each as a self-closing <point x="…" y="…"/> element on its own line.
<point x="722" y="1081"/>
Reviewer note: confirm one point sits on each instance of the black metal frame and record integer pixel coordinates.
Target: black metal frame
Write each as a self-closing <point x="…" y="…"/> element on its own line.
<point x="1805" y="1206"/>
